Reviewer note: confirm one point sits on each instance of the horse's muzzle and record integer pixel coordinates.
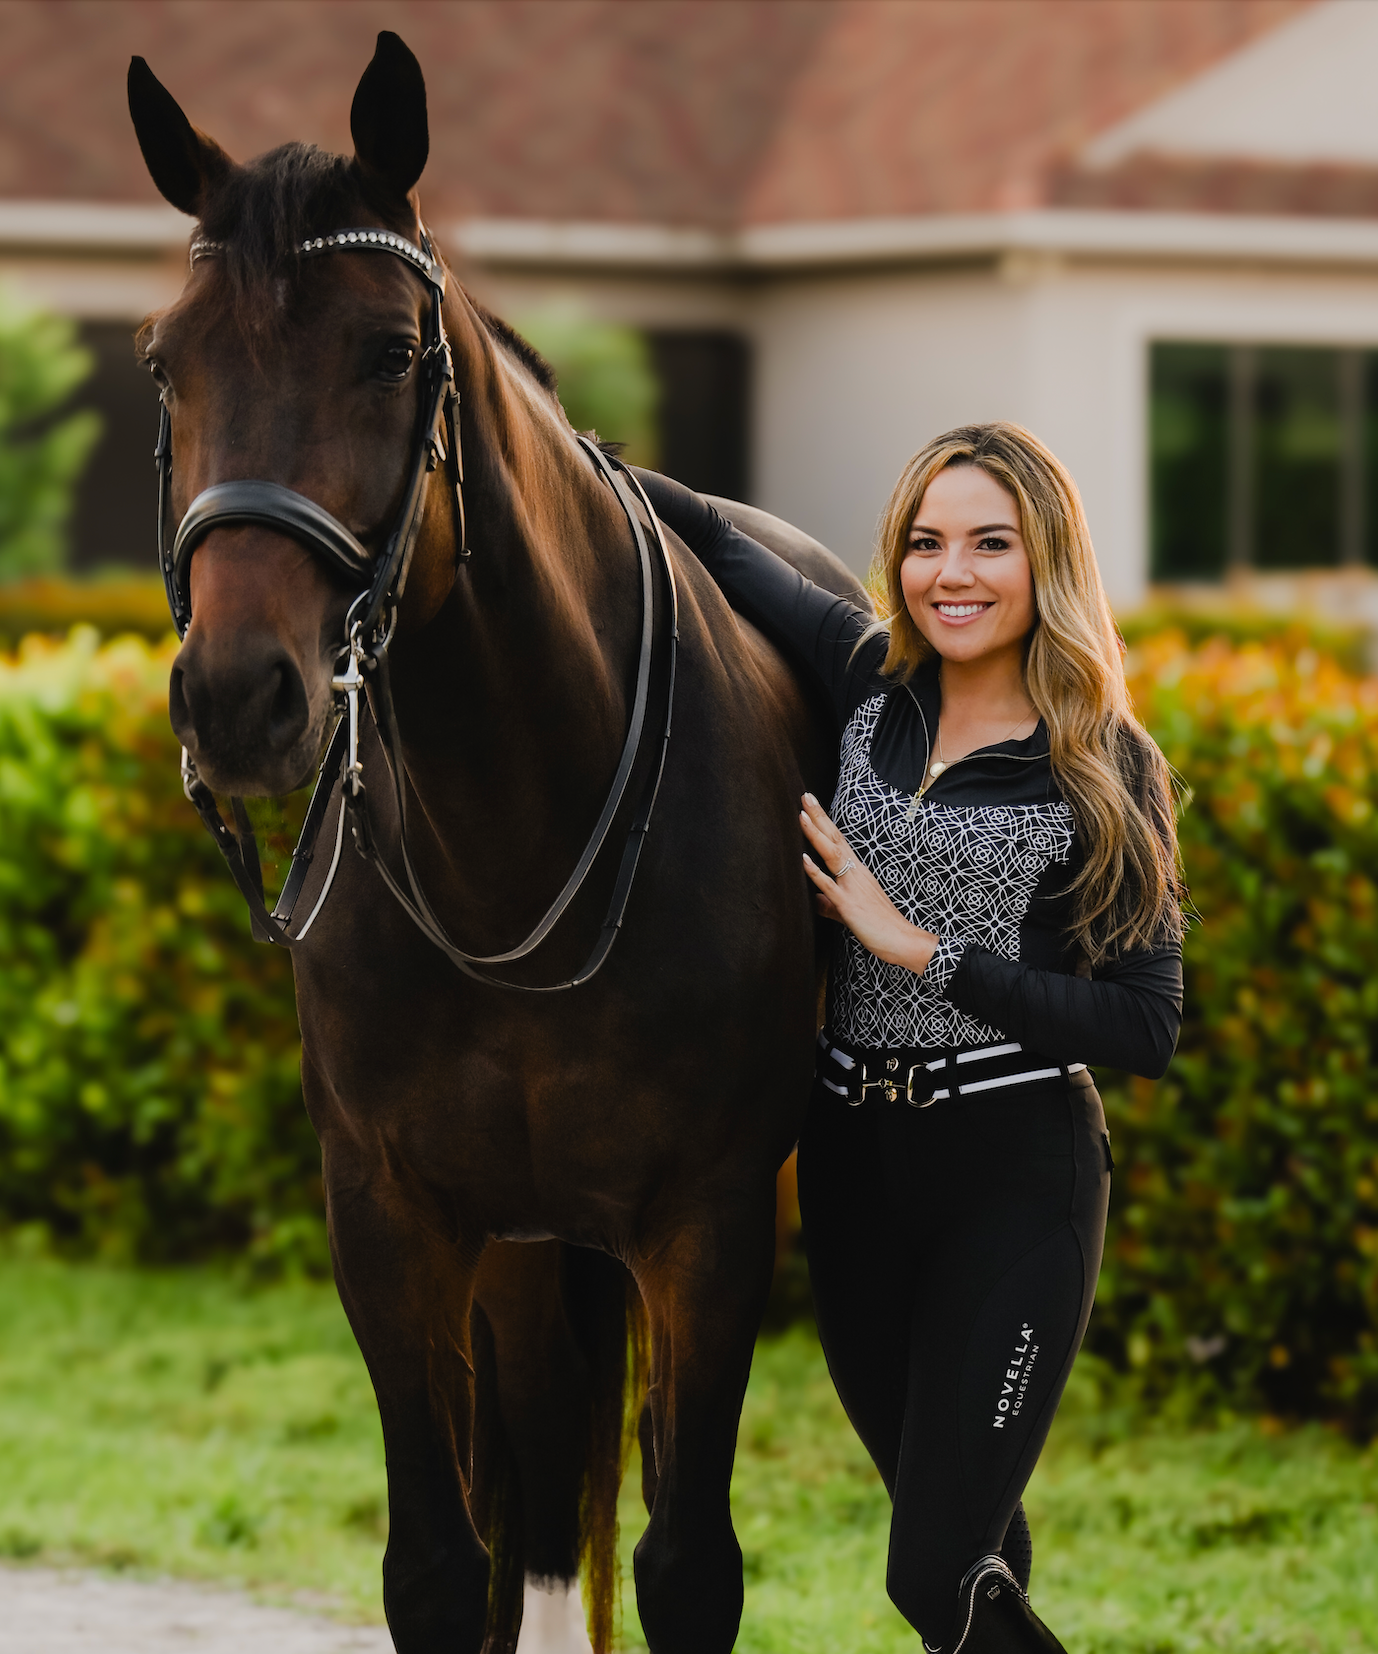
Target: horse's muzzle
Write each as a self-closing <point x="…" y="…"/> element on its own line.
<point x="244" y="714"/>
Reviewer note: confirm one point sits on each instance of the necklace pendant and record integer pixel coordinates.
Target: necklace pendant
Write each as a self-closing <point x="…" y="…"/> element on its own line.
<point x="936" y="768"/>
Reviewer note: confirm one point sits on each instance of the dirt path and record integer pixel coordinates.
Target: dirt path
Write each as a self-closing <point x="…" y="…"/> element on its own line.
<point x="45" y="1611"/>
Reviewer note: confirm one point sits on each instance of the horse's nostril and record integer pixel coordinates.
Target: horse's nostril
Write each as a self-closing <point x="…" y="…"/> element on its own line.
<point x="178" y="707"/>
<point x="288" y="711"/>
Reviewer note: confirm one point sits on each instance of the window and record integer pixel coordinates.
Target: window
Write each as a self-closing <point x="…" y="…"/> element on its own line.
<point x="1262" y="457"/>
<point x="705" y="381"/>
<point x="116" y="498"/>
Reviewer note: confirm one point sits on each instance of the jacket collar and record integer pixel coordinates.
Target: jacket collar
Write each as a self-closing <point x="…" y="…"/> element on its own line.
<point x="926" y="688"/>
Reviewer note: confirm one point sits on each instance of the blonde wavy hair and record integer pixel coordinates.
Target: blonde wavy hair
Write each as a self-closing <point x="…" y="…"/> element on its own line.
<point x="1128" y="892"/>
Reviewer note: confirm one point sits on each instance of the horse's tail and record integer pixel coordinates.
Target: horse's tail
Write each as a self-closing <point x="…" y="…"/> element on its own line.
<point x="610" y="1323"/>
<point x="563" y="1417"/>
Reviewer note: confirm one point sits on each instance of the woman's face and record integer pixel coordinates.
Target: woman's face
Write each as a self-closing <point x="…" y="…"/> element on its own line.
<point x="966" y="576"/>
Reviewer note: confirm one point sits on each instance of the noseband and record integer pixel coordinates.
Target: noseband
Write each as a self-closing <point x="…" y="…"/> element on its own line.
<point x="369" y="627"/>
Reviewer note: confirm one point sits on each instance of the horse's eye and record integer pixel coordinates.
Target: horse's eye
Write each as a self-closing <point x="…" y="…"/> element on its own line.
<point x="155" y="367"/>
<point x="397" y="359"/>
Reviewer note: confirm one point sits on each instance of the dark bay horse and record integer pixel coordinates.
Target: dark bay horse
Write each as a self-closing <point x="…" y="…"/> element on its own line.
<point x="626" y="1132"/>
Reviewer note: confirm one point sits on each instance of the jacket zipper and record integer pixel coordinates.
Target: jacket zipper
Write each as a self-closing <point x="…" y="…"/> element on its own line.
<point x="918" y="798"/>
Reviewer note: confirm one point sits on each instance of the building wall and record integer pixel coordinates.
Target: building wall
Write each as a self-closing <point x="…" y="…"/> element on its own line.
<point x="852" y="372"/>
<point x="98" y="289"/>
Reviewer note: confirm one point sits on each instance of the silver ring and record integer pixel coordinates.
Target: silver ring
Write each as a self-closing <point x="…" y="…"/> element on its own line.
<point x="849" y="863"/>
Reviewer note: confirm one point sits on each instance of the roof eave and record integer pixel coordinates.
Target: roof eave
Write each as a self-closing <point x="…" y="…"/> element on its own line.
<point x="92" y="227"/>
<point x="95" y="228"/>
<point x="939" y="237"/>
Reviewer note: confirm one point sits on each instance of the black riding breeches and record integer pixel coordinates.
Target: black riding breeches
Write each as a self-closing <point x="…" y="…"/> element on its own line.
<point x="953" y="1252"/>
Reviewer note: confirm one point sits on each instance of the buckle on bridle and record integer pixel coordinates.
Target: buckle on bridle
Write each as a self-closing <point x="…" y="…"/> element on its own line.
<point x="349" y="683"/>
<point x="362" y="656"/>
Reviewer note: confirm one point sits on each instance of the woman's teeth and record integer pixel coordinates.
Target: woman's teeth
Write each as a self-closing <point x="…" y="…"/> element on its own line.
<point x="959" y="611"/>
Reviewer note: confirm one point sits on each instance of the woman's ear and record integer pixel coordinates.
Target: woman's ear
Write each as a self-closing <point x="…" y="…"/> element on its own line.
<point x="388" y="118"/>
<point x="185" y="164"/>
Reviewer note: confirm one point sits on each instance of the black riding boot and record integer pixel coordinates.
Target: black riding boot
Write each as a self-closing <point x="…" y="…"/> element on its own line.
<point x="994" y="1617"/>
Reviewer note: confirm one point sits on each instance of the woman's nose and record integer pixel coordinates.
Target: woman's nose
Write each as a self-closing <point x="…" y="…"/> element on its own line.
<point x="956" y="571"/>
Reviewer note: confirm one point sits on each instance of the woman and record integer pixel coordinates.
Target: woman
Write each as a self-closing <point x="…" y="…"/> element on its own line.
<point x="1002" y="855"/>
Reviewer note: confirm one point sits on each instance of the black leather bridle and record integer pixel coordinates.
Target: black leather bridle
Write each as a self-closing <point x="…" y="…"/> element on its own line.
<point x="369" y="627"/>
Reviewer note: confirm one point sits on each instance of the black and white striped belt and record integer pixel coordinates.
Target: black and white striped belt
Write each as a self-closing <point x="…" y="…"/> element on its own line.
<point x="921" y="1077"/>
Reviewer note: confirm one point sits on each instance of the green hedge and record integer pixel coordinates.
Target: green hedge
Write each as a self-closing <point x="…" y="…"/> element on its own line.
<point x="41" y="455"/>
<point x="150" y="1104"/>
<point x="113" y="601"/>
<point x="607" y="379"/>
<point x="1243" y="1257"/>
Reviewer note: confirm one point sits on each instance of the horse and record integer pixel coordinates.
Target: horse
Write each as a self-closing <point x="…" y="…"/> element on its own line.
<point x="549" y="1173"/>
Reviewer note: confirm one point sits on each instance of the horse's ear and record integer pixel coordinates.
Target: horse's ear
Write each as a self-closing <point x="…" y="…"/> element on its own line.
<point x="183" y="162"/>
<point x="388" y="116"/>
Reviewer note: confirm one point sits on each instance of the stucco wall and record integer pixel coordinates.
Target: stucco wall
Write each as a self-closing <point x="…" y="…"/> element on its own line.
<point x="854" y="371"/>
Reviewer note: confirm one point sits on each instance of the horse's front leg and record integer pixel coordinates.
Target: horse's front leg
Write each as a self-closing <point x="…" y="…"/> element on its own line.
<point x="406" y="1281"/>
<point x="705" y="1278"/>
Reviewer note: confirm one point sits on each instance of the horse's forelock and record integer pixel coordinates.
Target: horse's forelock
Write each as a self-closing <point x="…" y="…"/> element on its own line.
<point x="262" y="213"/>
<point x="264" y="210"/>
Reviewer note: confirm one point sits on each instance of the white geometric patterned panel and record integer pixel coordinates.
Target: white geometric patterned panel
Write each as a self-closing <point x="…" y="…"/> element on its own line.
<point x="965" y="874"/>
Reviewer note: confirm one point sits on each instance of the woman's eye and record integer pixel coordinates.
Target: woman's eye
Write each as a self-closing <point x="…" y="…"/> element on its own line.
<point x="923" y="542"/>
<point x="397" y="360"/>
<point x="993" y="542"/>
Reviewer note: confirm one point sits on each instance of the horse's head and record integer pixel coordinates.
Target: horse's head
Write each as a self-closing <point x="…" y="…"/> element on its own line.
<point x="305" y="372"/>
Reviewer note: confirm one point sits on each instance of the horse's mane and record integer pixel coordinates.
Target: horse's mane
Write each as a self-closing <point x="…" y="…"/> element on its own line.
<point x="263" y="211"/>
<point x="525" y="352"/>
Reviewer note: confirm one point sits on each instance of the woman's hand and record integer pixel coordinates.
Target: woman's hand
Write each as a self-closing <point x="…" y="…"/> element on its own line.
<point x="848" y="892"/>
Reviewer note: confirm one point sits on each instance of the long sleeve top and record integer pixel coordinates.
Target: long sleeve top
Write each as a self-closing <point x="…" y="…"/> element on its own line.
<point x="983" y="857"/>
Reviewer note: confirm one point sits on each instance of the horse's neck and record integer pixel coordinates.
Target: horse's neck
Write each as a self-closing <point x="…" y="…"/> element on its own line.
<point x="512" y="699"/>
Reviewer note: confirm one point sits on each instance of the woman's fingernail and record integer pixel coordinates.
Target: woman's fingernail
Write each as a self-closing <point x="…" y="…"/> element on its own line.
<point x="810" y="799"/>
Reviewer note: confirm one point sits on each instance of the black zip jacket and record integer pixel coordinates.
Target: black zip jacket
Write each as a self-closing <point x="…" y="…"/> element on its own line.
<point x="983" y="859"/>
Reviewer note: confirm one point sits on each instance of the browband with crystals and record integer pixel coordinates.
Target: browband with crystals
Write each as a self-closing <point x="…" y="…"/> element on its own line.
<point x="385" y="241"/>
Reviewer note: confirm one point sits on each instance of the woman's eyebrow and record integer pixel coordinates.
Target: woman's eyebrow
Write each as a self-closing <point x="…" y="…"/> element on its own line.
<point x="990" y="528"/>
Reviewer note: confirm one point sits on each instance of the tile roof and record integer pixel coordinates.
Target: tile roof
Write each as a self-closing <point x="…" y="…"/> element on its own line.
<point x="1176" y="184"/>
<point x="711" y="113"/>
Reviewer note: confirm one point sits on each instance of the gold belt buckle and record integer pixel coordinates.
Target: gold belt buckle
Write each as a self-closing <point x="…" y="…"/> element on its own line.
<point x="891" y="1084"/>
<point x="887" y="1083"/>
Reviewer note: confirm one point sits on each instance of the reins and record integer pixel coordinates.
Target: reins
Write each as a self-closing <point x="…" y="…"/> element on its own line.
<point x="369" y="627"/>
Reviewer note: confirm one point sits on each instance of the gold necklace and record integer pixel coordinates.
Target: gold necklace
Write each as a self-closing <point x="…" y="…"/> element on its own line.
<point x="939" y="764"/>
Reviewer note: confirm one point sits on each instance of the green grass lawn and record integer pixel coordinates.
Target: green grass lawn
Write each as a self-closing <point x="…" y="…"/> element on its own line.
<point x="177" y="1423"/>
